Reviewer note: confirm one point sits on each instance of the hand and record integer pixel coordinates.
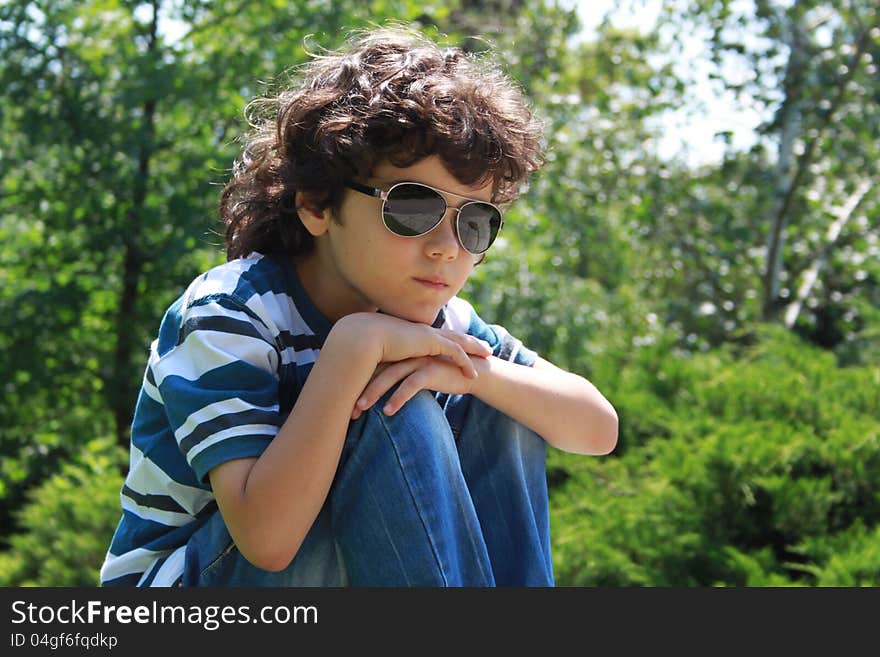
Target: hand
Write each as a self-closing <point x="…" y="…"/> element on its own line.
<point x="436" y="373"/>
<point x="395" y="340"/>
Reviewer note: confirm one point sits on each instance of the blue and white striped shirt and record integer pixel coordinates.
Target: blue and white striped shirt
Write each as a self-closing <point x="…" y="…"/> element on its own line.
<point x="232" y="355"/>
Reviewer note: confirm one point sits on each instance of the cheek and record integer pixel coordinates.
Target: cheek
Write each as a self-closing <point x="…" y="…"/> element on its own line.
<point x="463" y="271"/>
<point x="371" y="255"/>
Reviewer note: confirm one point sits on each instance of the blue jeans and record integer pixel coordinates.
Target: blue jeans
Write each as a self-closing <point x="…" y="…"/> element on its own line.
<point x="446" y="492"/>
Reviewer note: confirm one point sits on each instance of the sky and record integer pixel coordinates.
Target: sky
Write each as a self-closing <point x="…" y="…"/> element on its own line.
<point x="688" y="132"/>
<point x="693" y="127"/>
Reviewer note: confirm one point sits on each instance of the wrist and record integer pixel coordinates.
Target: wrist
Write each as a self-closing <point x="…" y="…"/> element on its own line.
<point x="355" y="333"/>
<point x="485" y="373"/>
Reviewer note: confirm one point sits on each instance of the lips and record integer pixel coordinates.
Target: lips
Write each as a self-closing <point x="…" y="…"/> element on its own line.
<point x="433" y="281"/>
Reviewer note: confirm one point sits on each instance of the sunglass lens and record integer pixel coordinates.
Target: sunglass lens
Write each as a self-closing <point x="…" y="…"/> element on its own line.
<point x="478" y="225"/>
<point x="412" y="209"/>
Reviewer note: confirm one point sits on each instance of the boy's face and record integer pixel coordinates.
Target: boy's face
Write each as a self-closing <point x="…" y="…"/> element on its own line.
<point x="360" y="265"/>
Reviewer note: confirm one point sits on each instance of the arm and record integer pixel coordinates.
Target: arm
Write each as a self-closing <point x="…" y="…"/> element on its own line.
<point x="564" y="408"/>
<point x="269" y="503"/>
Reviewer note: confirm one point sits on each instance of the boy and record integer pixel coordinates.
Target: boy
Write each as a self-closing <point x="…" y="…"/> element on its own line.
<point x="323" y="409"/>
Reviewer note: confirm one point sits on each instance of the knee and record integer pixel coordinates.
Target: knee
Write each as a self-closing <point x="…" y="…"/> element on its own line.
<point x="420" y="415"/>
<point x="419" y="426"/>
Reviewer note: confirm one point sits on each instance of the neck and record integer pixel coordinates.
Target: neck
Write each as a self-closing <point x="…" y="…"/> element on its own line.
<point x="326" y="288"/>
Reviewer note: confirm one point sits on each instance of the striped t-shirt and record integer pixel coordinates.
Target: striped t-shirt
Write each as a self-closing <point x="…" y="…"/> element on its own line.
<point x="231" y="357"/>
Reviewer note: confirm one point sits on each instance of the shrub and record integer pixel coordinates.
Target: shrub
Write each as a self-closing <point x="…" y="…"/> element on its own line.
<point x="761" y="471"/>
<point x="67" y="523"/>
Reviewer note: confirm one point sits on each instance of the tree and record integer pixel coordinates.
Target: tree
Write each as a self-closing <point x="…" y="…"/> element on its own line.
<point x="118" y="122"/>
<point x="811" y="67"/>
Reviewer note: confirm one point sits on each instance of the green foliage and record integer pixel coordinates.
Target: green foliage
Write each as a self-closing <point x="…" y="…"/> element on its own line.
<point x="66" y="523"/>
<point x="117" y="127"/>
<point x="746" y="457"/>
<point x="762" y="472"/>
<point x="808" y="192"/>
<point x="851" y="558"/>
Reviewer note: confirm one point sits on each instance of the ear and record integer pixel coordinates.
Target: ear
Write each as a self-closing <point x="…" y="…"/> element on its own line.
<point x="315" y="221"/>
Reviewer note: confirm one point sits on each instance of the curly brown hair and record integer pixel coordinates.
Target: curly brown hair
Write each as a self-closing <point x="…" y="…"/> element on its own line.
<point x="392" y="95"/>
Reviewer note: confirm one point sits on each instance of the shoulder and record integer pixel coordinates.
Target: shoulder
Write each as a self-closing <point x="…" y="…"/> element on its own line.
<point x="461" y="317"/>
<point x="243" y="292"/>
<point x="458" y="315"/>
<point x="258" y="285"/>
<point x="240" y="279"/>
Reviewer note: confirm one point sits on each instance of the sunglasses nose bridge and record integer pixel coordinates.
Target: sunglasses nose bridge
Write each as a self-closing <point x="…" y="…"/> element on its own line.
<point x="447" y="206"/>
<point x="453" y="219"/>
<point x="443" y="238"/>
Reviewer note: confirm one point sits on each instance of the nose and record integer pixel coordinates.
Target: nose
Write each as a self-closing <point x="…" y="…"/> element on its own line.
<point x="442" y="242"/>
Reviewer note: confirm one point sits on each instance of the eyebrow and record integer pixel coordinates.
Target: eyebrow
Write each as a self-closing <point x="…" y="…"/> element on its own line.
<point x="417" y="182"/>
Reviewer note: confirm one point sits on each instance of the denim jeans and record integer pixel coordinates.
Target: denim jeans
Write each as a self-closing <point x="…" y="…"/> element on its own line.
<point x="446" y="492"/>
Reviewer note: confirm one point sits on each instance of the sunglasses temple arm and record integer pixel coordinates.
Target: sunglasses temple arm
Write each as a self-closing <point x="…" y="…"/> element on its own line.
<point x="370" y="191"/>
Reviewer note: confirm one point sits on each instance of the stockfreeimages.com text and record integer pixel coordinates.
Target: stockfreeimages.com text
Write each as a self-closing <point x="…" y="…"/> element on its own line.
<point x="211" y="617"/>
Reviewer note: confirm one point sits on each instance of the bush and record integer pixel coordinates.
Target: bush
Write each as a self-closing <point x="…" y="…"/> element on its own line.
<point x="762" y="472"/>
<point x="67" y="523"/>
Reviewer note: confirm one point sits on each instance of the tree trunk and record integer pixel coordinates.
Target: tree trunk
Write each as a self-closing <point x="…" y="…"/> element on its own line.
<point x="790" y="121"/>
<point x="123" y="391"/>
<point x="790" y="169"/>
<point x="842" y="217"/>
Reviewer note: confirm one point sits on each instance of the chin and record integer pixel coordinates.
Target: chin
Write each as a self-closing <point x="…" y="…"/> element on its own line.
<point x="411" y="315"/>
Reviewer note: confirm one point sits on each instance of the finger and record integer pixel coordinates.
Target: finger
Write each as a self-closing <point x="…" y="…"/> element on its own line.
<point x="469" y="343"/>
<point x="407" y="389"/>
<point x="384" y="380"/>
<point x="458" y="355"/>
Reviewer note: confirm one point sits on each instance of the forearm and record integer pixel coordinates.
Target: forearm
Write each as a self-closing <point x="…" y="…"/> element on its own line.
<point x="270" y="503"/>
<point x="565" y="409"/>
<point x="272" y="509"/>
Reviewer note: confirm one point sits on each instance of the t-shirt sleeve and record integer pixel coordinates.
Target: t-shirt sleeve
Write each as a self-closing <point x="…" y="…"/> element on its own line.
<point x="219" y="383"/>
<point x="461" y="316"/>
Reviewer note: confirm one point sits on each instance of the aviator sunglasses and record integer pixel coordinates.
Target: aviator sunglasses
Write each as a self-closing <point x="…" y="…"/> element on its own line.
<point x="411" y="209"/>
